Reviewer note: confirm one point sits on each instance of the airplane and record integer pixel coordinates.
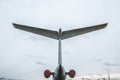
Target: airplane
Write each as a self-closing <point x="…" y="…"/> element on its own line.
<point x="59" y="73"/>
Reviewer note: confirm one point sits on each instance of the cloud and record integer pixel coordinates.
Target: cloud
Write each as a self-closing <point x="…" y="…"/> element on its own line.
<point x="2" y="78"/>
<point x="110" y="64"/>
<point x="106" y="63"/>
<point x="41" y="63"/>
<point x="98" y="60"/>
<point x="34" y="56"/>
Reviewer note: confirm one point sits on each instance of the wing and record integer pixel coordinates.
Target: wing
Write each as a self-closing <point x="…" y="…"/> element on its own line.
<point x="80" y="31"/>
<point x="40" y="31"/>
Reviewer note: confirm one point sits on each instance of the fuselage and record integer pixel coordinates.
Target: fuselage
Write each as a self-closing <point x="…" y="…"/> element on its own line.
<point x="59" y="73"/>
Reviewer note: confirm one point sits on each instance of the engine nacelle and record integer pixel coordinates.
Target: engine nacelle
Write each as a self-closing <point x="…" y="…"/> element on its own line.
<point x="47" y="73"/>
<point x="72" y="73"/>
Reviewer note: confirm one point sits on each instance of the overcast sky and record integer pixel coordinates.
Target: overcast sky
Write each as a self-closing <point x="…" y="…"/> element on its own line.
<point x="25" y="55"/>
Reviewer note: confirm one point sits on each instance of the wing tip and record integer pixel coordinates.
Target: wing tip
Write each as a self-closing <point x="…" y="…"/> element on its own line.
<point x="18" y="26"/>
<point x="105" y="24"/>
<point x="15" y="25"/>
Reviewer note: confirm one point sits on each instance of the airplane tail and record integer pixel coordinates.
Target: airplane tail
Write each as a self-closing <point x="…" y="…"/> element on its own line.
<point x="61" y="35"/>
<point x="64" y="34"/>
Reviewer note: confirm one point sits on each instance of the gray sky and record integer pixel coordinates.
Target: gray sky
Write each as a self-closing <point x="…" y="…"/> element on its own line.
<point x="93" y="53"/>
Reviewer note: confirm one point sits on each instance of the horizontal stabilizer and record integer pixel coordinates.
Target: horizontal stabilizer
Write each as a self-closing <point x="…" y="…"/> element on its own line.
<point x="76" y="32"/>
<point x="40" y="31"/>
<point x="64" y="34"/>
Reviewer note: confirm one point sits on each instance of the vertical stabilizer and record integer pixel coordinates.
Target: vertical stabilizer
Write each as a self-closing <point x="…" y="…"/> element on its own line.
<point x="59" y="47"/>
